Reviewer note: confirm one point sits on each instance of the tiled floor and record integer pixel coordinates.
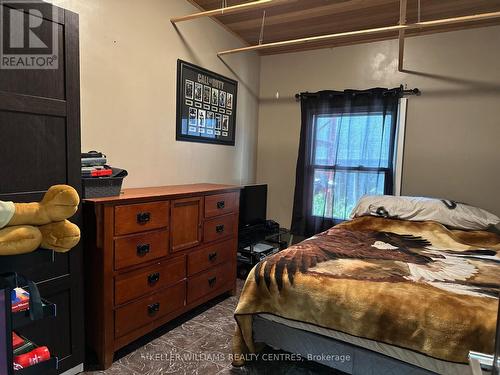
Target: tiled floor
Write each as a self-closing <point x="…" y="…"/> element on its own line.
<point x="197" y="343"/>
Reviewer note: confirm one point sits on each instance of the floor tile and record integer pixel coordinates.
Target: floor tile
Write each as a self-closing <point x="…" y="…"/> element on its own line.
<point x="185" y="335"/>
<point x="216" y="347"/>
<point x="159" y="358"/>
<point x="116" y="369"/>
<point x="218" y="318"/>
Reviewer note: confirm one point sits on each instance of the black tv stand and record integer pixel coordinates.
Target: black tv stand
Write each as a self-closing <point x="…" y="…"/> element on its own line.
<point x="262" y="234"/>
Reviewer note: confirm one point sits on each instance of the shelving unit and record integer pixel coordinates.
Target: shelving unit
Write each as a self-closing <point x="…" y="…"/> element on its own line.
<point x="43" y="368"/>
<point x="21" y="319"/>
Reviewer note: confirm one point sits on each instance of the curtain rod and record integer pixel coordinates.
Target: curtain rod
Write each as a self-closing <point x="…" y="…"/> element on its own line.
<point x="404" y="92"/>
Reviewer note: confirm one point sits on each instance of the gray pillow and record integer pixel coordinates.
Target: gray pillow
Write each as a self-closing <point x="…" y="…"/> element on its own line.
<point x="446" y="212"/>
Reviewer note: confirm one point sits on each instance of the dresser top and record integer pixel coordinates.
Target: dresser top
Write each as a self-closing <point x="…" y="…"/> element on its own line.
<point x="159" y="192"/>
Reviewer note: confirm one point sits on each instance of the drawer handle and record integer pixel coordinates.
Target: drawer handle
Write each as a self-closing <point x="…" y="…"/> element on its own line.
<point x="212" y="256"/>
<point x="153" y="308"/>
<point x="154" y="278"/>
<point x="143" y="217"/>
<point x="143" y="249"/>
<point x="221" y="205"/>
<point x="212" y="281"/>
<point x="219" y="228"/>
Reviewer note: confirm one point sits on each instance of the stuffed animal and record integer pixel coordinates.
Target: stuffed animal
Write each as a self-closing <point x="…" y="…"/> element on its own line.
<point x="24" y="227"/>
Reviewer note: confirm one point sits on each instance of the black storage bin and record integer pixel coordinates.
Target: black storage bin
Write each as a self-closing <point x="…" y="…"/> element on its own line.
<point x="98" y="187"/>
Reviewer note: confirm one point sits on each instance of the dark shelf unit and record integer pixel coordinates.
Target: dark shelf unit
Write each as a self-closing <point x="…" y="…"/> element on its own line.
<point x="24" y="261"/>
<point x="47" y="367"/>
<point x="22" y="318"/>
<point x="40" y="116"/>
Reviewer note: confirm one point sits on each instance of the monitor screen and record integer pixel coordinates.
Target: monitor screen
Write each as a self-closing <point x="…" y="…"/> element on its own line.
<point x="253" y="205"/>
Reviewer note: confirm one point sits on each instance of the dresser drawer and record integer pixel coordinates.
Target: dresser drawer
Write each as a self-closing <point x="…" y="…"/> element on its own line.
<point x="218" y="228"/>
<point x="136" y="284"/>
<point x="148" y="309"/>
<point x="140" y="248"/>
<point x="141" y="217"/>
<point x="219" y="204"/>
<point x="212" y="280"/>
<point x="213" y="255"/>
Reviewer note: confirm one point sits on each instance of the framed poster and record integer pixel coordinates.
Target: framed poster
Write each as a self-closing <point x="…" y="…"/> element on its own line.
<point x="206" y="105"/>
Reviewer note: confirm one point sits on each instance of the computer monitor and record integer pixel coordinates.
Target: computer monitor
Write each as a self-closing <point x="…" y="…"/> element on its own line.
<point x="253" y="205"/>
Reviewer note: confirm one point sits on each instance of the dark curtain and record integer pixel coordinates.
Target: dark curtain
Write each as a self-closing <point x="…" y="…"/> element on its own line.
<point x="346" y="150"/>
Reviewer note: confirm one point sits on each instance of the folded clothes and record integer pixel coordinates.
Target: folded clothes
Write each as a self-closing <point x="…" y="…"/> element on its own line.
<point x="90" y="162"/>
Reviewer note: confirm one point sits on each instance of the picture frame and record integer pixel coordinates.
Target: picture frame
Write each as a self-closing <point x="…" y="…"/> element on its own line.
<point x="206" y="105"/>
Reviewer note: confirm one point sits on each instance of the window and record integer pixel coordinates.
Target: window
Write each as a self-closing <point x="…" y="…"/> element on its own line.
<point x="347" y="149"/>
<point x="350" y="157"/>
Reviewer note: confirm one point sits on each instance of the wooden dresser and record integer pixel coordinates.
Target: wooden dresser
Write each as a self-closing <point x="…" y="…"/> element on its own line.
<point x="151" y="254"/>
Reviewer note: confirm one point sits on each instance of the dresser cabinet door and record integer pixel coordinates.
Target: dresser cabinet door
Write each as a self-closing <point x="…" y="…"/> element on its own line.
<point x="186" y="223"/>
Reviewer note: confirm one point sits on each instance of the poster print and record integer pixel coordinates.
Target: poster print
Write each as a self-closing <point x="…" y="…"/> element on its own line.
<point x="215" y="97"/>
<point x="206" y="94"/>
<point x="206" y="105"/>
<point x="218" y="121"/>
<point x="189" y="89"/>
<point x="198" y="92"/>
<point x="210" y="119"/>
<point x="193" y="116"/>
<point x="222" y="99"/>
<point x="201" y="118"/>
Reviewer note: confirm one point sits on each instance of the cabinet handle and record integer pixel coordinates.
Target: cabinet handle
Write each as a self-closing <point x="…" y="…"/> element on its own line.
<point x="221" y="205"/>
<point x="153" y="278"/>
<point x="143" y="217"/>
<point x="212" y="281"/>
<point x="212" y="256"/>
<point x="219" y="228"/>
<point x="153" y="308"/>
<point x="143" y="249"/>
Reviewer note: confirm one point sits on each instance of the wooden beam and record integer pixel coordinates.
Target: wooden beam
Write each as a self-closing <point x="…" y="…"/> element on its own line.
<point x="223" y="11"/>
<point x="401" y="38"/>
<point x="378" y="30"/>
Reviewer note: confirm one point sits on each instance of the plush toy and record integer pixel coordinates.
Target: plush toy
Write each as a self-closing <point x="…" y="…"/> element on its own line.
<point x="28" y="226"/>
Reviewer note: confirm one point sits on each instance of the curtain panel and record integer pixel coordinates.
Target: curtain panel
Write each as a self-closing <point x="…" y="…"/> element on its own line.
<point x="346" y="150"/>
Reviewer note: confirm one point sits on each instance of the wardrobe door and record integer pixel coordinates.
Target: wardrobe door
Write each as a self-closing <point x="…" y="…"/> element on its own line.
<point x="40" y="128"/>
<point x="186" y="223"/>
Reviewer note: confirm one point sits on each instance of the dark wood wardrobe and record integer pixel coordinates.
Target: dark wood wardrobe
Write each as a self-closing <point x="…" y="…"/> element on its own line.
<point x="40" y="147"/>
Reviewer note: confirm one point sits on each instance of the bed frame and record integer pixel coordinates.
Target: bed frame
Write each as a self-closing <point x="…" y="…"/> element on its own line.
<point x="360" y="362"/>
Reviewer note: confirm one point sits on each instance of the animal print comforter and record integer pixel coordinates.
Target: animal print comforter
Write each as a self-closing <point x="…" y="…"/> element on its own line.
<point x="416" y="285"/>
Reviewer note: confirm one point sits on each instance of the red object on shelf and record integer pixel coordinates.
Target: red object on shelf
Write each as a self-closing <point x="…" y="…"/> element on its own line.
<point x="31" y="358"/>
<point x="102" y="173"/>
<point x="16" y="340"/>
<point x="20" y="300"/>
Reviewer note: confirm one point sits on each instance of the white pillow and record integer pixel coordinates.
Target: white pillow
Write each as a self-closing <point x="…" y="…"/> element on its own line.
<point x="449" y="213"/>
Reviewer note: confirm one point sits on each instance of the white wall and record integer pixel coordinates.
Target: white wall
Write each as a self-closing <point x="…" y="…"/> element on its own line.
<point x="128" y="53"/>
<point x="453" y="130"/>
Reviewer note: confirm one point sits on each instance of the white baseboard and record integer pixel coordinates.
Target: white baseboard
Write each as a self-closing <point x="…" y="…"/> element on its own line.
<point x="75" y="370"/>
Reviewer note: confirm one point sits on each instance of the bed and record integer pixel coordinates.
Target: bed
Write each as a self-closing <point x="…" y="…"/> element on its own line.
<point x="396" y="296"/>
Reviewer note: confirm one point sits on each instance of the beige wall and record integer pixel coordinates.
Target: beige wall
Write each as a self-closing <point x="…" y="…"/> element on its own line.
<point x="453" y="130"/>
<point x="128" y="54"/>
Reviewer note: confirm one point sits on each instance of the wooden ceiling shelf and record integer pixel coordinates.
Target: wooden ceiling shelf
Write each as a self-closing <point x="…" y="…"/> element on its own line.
<point x="293" y="19"/>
